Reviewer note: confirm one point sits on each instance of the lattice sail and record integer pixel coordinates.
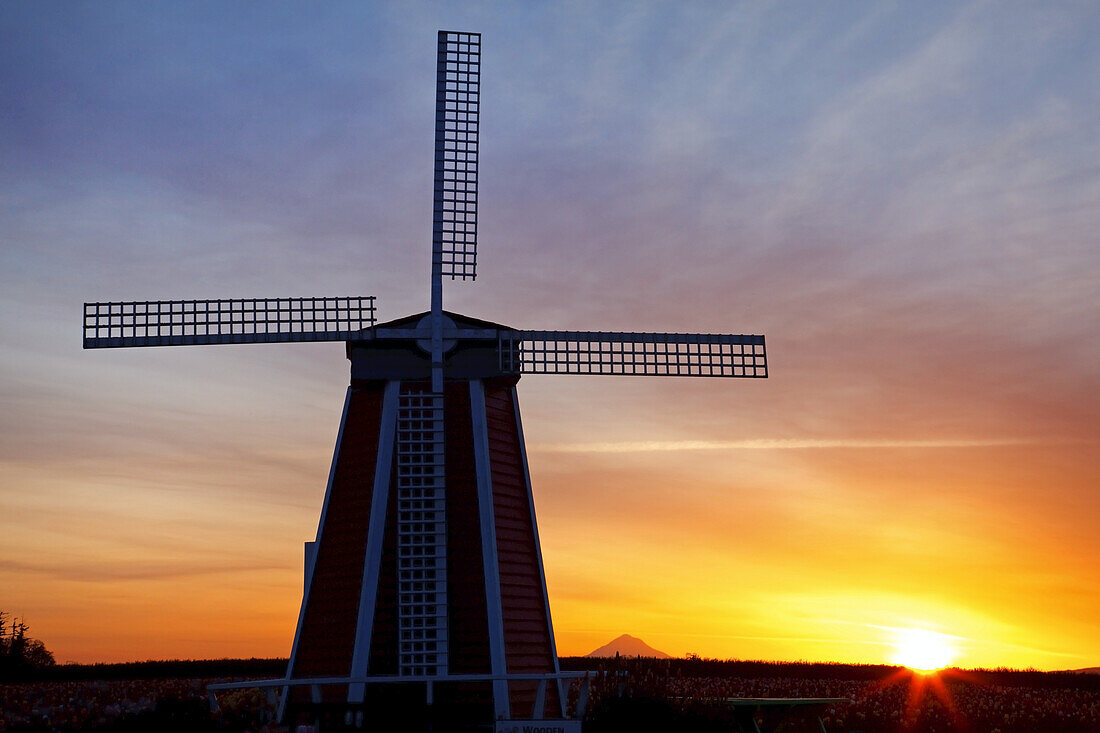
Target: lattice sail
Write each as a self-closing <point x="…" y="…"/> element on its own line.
<point x="421" y="533"/>
<point x="645" y="354"/>
<point x="457" y="98"/>
<point x="232" y="321"/>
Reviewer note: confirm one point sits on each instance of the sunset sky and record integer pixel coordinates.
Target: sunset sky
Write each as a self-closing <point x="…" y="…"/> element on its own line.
<point x="904" y="197"/>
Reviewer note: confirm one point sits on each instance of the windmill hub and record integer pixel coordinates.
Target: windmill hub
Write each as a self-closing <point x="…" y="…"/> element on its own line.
<point x="425" y="604"/>
<point x="425" y="323"/>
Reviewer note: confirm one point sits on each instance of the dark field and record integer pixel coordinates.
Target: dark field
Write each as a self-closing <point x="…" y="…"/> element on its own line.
<point x="636" y="695"/>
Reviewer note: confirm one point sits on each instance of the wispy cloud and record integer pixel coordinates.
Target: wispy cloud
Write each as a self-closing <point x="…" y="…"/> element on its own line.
<point x="656" y="446"/>
<point x="95" y="572"/>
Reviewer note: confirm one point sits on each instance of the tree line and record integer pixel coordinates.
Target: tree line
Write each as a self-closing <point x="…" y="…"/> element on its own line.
<point x="694" y="666"/>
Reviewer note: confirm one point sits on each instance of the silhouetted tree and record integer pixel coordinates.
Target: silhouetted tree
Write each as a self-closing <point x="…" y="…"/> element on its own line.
<point x="37" y="655"/>
<point x="20" y="654"/>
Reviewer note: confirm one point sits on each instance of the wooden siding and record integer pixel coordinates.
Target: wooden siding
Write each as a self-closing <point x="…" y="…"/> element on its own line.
<point x="468" y="629"/>
<point x="327" y="637"/>
<point x="384" y="635"/>
<point x="527" y="644"/>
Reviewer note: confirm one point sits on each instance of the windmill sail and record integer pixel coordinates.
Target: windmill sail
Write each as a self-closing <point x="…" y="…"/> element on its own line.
<point x="454" y="214"/>
<point x="231" y="321"/>
<point x="644" y="354"/>
<point x="421" y="533"/>
<point x="457" y="100"/>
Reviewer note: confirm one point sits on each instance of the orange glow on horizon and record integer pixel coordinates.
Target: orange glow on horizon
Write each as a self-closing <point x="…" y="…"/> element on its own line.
<point x="786" y="573"/>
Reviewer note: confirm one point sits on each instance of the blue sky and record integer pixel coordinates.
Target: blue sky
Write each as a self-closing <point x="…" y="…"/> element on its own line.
<point x="903" y="197"/>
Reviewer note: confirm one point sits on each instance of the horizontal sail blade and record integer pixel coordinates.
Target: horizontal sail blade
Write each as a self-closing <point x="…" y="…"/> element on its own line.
<point x="233" y="321"/>
<point x="644" y="354"/>
<point x="457" y="102"/>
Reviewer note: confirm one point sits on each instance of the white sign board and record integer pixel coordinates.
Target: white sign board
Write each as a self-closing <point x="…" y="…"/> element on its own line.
<point x="538" y="726"/>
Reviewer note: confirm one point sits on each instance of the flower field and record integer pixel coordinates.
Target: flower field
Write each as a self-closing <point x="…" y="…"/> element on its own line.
<point x="657" y="695"/>
<point x="881" y="699"/>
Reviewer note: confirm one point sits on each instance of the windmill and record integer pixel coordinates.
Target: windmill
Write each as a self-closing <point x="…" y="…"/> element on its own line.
<point x="424" y="589"/>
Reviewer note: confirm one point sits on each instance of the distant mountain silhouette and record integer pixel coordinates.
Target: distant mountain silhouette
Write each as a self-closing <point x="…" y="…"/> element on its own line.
<point x="627" y="646"/>
<point x="1086" y="670"/>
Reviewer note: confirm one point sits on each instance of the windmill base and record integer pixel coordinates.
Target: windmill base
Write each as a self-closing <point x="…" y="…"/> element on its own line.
<point x="457" y="708"/>
<point x="324" y="721"/>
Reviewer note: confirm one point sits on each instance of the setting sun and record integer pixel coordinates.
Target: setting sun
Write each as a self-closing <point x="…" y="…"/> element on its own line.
<point x="921" y="650"/>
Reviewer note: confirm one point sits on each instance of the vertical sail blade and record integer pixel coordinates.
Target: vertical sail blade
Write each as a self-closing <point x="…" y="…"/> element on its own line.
<point x="421" y="533"/>
<point x="458" y="83"/>
<point x="454" y="217"/>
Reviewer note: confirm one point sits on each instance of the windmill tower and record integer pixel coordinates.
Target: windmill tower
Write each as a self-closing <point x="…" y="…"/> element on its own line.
<point x="425" y="600"/>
